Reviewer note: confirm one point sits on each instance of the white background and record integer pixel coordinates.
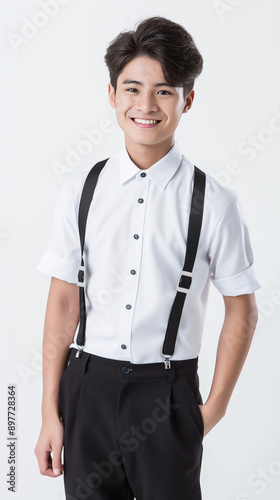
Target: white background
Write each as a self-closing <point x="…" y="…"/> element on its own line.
<point x="53" y="87"/>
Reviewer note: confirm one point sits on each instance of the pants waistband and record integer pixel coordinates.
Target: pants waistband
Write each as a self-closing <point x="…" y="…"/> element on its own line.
<point x="116" y="367"/>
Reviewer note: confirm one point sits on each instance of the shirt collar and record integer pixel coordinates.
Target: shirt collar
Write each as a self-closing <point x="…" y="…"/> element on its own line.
<point x="160" y="172"/>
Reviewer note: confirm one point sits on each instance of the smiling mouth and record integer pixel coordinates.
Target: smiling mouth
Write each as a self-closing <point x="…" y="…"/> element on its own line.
<point x="145" y="122"/>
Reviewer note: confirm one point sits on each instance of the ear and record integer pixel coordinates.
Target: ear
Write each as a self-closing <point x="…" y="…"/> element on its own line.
<point x="188" y="101"/>
<point x="111" y="96"/>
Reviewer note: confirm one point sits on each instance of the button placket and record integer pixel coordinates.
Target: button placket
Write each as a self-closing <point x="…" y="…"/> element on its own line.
<point x="133" y="263"/>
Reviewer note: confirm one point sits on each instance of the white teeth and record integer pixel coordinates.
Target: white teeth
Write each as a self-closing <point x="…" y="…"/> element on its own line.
<point x="145" y="122"/>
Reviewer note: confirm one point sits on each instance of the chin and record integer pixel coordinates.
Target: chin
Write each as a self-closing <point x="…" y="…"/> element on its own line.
<point x="146" y="142"/>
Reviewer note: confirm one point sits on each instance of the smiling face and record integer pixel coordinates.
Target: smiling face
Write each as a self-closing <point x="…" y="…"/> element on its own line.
<point x="148" y="109"/>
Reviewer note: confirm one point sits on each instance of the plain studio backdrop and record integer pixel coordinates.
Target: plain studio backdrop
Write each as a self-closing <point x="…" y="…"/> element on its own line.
<point x="53" y="98"/>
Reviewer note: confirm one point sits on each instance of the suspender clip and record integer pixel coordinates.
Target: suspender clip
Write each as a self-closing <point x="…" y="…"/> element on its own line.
<point x="167" y="363"/>
<point x="79" y="351"/>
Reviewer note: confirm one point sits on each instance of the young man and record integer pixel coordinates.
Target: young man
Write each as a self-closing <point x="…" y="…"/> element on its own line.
<point x="127" y="410"/>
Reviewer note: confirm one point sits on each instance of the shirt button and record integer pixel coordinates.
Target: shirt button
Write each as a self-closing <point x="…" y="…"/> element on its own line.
<point x="132" y="271"/>
<point x="123" y="346"/>
<point x="128" y="306"/>
<point x="143" y="174"/>
<point x="136" y="236"/>
<point x="140" y="200"/>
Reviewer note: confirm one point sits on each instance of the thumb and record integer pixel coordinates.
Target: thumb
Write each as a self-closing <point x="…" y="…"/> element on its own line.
<point x="56" y="461"/>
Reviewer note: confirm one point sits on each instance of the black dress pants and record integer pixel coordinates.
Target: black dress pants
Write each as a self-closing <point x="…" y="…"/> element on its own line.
<point x="131" y="430"/>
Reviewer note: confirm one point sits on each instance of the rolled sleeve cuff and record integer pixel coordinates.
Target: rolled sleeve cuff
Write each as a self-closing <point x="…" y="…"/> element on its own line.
<point x="58" y="267"/>
<point x="244" y="282"/>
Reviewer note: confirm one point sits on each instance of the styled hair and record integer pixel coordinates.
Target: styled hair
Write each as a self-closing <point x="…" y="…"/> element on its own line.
<point x="163" y="40"/>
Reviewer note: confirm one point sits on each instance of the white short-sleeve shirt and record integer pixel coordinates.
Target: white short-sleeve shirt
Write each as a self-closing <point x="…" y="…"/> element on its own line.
<point x="143" y="271"/>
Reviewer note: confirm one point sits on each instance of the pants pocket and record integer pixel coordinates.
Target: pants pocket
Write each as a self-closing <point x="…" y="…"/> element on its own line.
<point x="61" y="391"/>
<point x="70" y="388"/>
<point x="195" y="398"/>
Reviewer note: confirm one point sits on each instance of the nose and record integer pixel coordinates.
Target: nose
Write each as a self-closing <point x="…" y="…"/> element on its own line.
<point x="146" y="103"/>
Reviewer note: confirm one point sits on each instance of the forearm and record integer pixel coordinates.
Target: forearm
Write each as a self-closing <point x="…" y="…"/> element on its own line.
<point x="234" y="344"/>
<point x="61" y="321"/>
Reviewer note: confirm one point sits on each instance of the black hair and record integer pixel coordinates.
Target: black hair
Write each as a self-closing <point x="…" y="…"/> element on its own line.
<point x="163" y="40"/>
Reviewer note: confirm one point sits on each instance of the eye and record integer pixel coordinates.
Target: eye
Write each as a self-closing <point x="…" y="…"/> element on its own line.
<point x="128" y="90"/>
<point x="166" y="92"/>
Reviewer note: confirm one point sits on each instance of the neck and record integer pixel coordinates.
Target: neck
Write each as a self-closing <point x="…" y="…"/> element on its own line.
<point x="146" y="155"/>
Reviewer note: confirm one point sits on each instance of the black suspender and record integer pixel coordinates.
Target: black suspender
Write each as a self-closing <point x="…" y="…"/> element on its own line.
<point x="185" y="279"/>
<point x="85" y="201"/>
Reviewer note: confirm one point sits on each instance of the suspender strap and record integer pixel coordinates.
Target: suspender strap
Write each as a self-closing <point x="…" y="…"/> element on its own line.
<point x="86" y="197"/>
<point x="185" y="279"/>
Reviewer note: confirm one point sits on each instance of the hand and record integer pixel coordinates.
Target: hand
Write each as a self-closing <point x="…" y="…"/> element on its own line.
<point x="50" y="440"/>
<point x="211" y="415"/>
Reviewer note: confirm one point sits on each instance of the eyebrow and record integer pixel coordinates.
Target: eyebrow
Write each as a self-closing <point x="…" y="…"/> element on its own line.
<point x="163" y="84"/>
